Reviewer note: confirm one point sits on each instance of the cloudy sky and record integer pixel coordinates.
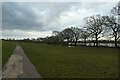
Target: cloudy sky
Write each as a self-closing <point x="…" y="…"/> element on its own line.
<point x="38" y="19"/>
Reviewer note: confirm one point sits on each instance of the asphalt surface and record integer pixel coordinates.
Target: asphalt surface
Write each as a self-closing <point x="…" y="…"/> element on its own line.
<point x="19" y="66"/>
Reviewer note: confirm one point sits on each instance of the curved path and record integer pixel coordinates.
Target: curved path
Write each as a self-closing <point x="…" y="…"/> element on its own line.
<point x="19" y="66"/>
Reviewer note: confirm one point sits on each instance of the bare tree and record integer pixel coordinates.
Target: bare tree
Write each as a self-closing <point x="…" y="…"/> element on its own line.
<point x="84" y="35"/>
<point x="95" y="26"/>
<point x="68" y="34"/>
<point x="55" y="33"/>
<point x="56" y="37"/>
<point x="113" y="22"/>
<point x="76" y="34"/>
<point x="50" y="40"/>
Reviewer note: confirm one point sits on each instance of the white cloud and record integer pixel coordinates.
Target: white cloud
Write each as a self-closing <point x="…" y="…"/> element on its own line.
<point x="18" y="34"/>
<point x="60" y="0"/>
<point x="40" y="19"/>
<point x="76" y="17"/>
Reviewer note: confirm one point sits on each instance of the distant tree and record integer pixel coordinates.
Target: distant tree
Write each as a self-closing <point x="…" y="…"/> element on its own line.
<point x="112" y="22"/>
<point x="61" y="37"/>
<point x="26" y="40"/>
<point x="9" y="39"/>
<point x="39" y="39"/>
<point x="94" y="25"/>
<point x="13" y="39"/>
<point x="56" y="37"/>
<point x="114" y="27"/>
<point x="67" y="34"/>
<point x="84" y="35"/>
<point x="51" y="39"/>
<point x="33" y="39"/>
<point x="55" y="33"/>
<point x="76" y="34"/>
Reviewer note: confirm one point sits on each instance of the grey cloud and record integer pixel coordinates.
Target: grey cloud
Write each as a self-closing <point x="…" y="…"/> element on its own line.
<point x="46" y="16"/>
<point x="15" y="16"/>
<point x="22" y="16"/>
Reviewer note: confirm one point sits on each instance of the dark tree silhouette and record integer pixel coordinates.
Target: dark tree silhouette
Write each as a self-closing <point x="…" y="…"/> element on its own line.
<point x="56" y="36"/>
<point x="84" y="35"/>
<point x="76" y="34"/>
<point x="55" y="33"/>
<point x="95" y="26"/>
<point x="113" y="22"/>
<point x="68" y="34"/>
<point x="40" y="39"/>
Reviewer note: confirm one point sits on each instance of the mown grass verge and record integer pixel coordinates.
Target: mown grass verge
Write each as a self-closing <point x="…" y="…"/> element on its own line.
<point x="7" y="49"/>
<point x="54" y="61"/>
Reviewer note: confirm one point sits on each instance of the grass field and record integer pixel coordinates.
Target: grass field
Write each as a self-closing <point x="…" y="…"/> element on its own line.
<point x="7" y="50"/>
<point x="54" y="61"/>
<point x="0" y="54"/>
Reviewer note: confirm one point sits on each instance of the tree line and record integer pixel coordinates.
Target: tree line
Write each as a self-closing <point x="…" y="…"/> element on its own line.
<point x="96" y="26"/>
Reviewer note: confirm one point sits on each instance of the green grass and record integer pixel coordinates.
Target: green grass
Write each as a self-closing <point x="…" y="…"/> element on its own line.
<point x="53" y="61"/>
<point x="0" y="54"/>
<point x="7" y="50"/>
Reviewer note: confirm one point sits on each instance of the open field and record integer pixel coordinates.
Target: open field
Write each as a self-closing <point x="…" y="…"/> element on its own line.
<point x="7" y="50"/>
<point x="54" y="61"/>
<point x="0" y="54"/>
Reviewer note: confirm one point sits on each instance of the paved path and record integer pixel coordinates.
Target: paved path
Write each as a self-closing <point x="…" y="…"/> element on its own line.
<point x="19" y="66"/>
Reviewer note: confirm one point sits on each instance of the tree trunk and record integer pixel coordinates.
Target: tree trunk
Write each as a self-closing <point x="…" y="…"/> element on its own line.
<point x="115" y="41"/>
<point x="96" y="37"/>
<point x="67" y="42"/>
<point x="94" y="43"/>
<point x="84" y="42"/>
<point x="75" y="42"/>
